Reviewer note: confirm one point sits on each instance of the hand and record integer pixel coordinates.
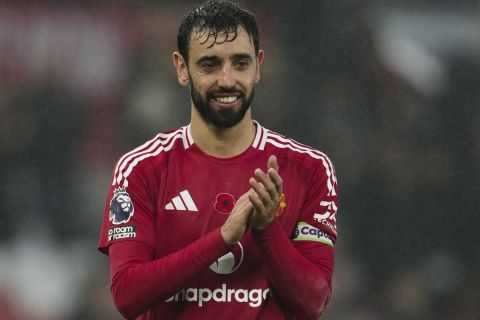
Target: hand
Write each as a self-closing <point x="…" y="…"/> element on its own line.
<point x="265" y="194"/>
<point x="234" y="228"/>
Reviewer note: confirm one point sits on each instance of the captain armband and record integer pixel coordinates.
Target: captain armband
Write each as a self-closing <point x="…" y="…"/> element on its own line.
<point x="306" y="232"/>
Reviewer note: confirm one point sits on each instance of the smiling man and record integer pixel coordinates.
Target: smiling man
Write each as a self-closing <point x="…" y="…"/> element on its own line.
<point x="224" y="103"/>
<point x="221" y="218"/>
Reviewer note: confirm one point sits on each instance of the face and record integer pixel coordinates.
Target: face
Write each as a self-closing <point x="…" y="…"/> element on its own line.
<point x="221" y="77"/>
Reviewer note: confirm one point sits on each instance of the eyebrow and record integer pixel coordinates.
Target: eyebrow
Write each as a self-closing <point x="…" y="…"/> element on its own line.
<point x="240" y="56"/>
<point x="235" y="57"/>
<point x="207" y="58"/>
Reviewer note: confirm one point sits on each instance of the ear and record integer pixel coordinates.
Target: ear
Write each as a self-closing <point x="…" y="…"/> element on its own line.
<point x="181" y="68"/>
<point x="260" y="57"/>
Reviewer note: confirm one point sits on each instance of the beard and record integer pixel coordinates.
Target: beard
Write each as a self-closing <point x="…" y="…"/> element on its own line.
<point x="221" y="118"/>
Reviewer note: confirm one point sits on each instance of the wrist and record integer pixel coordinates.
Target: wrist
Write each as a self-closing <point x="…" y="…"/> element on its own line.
<point x="270" y="231"/>
<point x="226" y="235"/>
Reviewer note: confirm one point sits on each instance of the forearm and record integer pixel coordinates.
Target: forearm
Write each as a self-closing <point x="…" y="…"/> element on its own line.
<point x="302" y="284"/>
<point x="138" y="282"/>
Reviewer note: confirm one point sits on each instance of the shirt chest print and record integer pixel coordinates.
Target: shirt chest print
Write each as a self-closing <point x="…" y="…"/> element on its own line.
<point x="182" y="202"/>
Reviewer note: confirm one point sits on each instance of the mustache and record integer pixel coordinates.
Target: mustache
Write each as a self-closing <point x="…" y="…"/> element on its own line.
<point x="225" y="91"/>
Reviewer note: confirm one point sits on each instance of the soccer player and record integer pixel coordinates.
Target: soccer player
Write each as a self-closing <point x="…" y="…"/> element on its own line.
<point x="221" y="218"/>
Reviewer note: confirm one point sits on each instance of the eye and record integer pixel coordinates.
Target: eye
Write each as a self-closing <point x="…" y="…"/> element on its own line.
<point x="242" y="64"/>
<point x="208" y="66"/>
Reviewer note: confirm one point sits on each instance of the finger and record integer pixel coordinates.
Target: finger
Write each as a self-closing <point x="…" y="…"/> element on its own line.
<point x="256" y="202"/>
<point x="245" y="205"/>
<point x="276" y="179"/>
<point x="243" y="198"/>
<point x="260" y="191"/>
<point x="268" y="184"/>
<point x="272" y="162"/>
<point x="242" y="203"/>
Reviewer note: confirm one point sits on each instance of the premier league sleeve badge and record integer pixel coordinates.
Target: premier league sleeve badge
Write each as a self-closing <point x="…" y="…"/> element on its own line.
<point x="121" y="206"/>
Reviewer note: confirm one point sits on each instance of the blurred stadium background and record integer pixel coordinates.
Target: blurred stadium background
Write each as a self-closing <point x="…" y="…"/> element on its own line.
<point x="389" y="89"/>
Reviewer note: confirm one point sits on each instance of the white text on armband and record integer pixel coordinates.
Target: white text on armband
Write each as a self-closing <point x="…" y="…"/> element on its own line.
<point x="116" y="233"/>
<point x="305" y="232"/>
<point x="254" y="297"/>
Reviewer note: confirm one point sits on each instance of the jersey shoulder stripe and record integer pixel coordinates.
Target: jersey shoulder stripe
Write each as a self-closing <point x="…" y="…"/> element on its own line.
<point x="259" y="134"/>
<point x="282" y="142"/>
<point x="274" y="137"/>
<point x="128" y="155"/>
<point x="153" y="147"/>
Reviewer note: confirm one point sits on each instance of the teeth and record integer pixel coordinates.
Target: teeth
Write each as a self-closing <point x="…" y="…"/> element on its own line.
<point x="227" y="99"/>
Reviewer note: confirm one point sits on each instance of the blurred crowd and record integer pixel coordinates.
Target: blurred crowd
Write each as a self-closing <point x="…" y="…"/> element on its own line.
<point x="389" y="91"/>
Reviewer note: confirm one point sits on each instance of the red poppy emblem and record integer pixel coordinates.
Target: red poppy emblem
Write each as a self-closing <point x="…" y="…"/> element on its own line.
<point x="224" y="203"/>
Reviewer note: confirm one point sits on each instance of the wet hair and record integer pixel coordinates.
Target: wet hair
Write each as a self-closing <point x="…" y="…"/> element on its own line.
<point x="216" y="18"/>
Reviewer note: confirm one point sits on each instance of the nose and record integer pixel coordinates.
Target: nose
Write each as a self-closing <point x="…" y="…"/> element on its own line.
<point x="225" y="79"/>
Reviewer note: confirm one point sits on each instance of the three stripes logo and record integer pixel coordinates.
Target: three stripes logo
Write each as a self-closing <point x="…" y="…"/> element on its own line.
<point x="182" y="202"/>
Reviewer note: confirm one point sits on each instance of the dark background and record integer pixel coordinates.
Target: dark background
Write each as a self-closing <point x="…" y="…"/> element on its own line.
<point x="388" y="89"/>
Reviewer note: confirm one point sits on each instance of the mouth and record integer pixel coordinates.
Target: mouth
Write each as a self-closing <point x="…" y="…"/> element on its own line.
<point x="226" y="99"/>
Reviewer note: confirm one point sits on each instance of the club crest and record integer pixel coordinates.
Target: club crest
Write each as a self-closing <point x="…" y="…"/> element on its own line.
<point x="281" y="206"/>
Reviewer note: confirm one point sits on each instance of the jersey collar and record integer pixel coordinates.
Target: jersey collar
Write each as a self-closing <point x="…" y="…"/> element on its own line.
<point x="259" y="133"/>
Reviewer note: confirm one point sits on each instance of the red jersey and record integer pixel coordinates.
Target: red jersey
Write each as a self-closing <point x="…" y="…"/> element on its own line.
<point x="168" y="193"/>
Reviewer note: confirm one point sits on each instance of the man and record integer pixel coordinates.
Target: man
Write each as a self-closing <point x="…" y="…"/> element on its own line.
<point x="222" y="218"/>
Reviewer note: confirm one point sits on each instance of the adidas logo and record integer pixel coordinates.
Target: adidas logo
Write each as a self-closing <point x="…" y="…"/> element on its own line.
<point x="182" y="202"/>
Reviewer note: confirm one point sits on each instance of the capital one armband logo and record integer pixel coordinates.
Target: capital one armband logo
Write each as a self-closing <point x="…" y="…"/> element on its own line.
<point x="121" y="207"/>
<point x="306" y="232"/>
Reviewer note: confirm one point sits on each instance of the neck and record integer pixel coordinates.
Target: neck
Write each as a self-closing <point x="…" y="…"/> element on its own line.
<point x="222" y="142"/>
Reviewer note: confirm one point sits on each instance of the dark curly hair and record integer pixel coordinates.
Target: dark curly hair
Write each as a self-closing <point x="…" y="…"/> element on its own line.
<point x="216" y="18"/>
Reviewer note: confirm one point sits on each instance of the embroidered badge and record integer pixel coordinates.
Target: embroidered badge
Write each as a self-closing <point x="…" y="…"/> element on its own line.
<point x="121" y="206"/>
<point x="282" y="205"/>
<point x="224" y="203"/>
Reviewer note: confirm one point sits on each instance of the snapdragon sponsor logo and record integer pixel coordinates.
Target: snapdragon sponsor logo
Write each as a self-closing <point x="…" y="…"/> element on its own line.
<point x="121" y="232"/>
<point x="229" y="262"/>
<point x="305" y="232"/>
<point x="254" y="297"/>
